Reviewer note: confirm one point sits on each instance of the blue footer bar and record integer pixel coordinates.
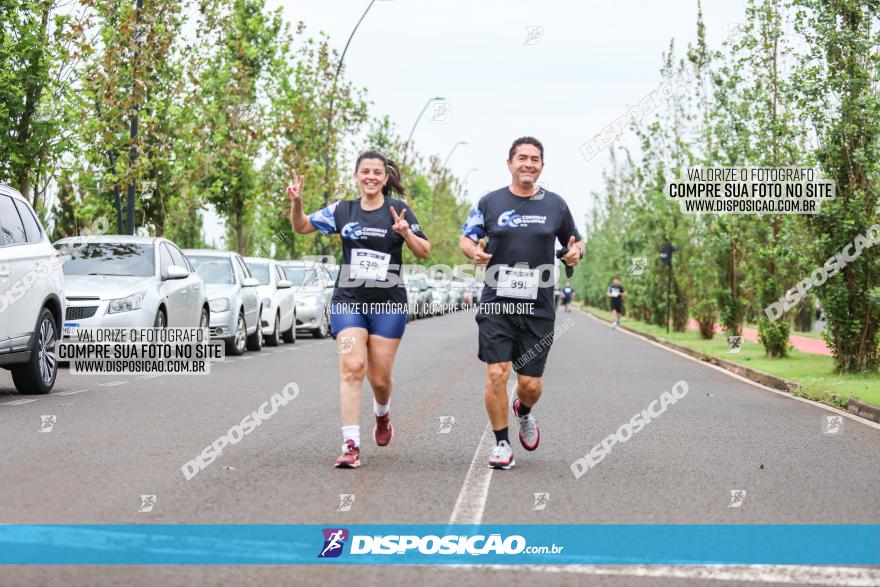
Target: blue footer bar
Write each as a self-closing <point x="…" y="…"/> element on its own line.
<point x="274" y="544"/>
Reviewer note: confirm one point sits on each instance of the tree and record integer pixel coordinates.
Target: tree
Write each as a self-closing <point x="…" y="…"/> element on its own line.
<point x="838" y="80"/>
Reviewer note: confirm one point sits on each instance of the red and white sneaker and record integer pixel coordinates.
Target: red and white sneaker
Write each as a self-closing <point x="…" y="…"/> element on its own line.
<point x="350" y="457"/>
<point x="383" y="432"/>
<point x="529" y="432"/>
<point x="502" y="456"/>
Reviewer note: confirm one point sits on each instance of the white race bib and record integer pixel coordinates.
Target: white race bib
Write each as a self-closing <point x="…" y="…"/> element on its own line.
<point x="614" y="293"/>
<point x="369" y="264"/>
<point x="518" y="282"/>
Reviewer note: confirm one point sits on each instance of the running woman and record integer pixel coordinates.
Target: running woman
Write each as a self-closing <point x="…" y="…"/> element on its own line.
<point x="522" y="223"/>
<point x="567" y="293"/>
<point x="616" y="293"/>
<point x="367" y="317"/>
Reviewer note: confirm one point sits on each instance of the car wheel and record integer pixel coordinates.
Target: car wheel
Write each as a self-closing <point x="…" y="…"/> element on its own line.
<point x="324" y="329"/>
<point x="290" y="335"/>
<point x="274" y="339"/>
<point x="235" y="346"/>
<point x="255" y="341"/>
<point x="204" y="318"/>
<point x="38" y="374"/>
<point x="161" y="320"/>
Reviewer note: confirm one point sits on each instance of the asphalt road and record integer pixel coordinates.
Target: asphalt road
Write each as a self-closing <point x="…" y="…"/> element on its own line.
<point x="116" y="438"/>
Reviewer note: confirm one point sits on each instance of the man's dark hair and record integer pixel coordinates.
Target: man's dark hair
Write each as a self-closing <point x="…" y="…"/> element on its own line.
<point x="617" y="277"/>
<point x="525" y="141"/>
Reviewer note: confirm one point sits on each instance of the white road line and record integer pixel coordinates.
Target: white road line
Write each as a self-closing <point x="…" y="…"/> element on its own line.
<point x="790" y="574"/>
<point x="246" y="358"/>
<point x="70" y="392"/>
<point x="471" y="500"/>
<point x="813" y="403"/>
<point x="111" y="383"/>
<point x="150" y="376"/>
<point x="18" y="402"/>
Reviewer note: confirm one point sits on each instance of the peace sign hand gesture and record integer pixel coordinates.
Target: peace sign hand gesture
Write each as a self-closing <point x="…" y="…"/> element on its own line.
<point x="401" y="226"/>
<point x="294" y="189"/>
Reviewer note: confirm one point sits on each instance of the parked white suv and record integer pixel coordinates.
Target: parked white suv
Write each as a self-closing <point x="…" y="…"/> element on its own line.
<point x="31" y="296"/>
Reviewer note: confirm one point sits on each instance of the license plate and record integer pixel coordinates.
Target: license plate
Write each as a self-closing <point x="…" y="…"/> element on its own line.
<point x="67" y="328"/>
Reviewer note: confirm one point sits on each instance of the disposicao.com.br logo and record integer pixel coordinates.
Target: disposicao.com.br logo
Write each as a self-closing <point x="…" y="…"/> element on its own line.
<point x="431" y="544"/>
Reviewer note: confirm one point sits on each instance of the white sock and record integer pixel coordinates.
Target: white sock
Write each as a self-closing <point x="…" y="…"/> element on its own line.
<point x="379" y="409"/>
<point x="351" y="433"/>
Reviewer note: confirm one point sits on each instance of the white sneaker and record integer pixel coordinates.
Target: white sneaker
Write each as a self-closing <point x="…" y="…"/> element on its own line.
<point x="502" y="456"/>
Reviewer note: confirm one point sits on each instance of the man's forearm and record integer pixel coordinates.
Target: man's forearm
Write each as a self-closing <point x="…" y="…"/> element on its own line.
<point x="468" y="247"/>
<point x="298" y="219"/>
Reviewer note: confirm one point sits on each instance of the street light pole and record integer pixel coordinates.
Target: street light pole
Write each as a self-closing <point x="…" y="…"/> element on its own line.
<point x="452" y="150"/>
<point x="413" y="130"/>
<point x="327" y="158"/>
<point x="466" y="175"/>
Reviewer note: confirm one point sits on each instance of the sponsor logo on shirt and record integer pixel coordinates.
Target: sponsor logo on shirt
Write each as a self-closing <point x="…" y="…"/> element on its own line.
<point x="354" y="231"/>
<point x="508" y="218"/>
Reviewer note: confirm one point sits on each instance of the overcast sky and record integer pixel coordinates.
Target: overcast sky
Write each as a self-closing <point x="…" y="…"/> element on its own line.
<point x="503" y="77"/>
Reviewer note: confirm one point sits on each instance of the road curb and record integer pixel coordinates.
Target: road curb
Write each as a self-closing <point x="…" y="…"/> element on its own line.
<point x="863" y="410"/>
<point x="854" y="406"/>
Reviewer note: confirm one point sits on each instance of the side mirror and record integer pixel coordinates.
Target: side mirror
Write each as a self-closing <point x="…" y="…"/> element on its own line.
<point x="284" y="284"/>
<point x="176" y="272"/>
<point x="250" y="282"/>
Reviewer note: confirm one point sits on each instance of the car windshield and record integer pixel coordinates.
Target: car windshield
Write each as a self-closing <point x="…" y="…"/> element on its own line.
<point x="295" y="274"/>
<point x="213" y="269"/>
<point x="260" y="271"/>
<point x="123" y="259"/>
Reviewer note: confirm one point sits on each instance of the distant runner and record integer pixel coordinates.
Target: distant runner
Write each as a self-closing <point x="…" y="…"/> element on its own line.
<point x="567" y="294"/>
<point x="616" y="293"/>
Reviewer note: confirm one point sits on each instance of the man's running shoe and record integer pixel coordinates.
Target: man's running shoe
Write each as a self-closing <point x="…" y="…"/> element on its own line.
<point x="502" y="456"/>
<point x="529" y="432"/>
<point x="350" y="457"/>
<point x="383" y="432"/>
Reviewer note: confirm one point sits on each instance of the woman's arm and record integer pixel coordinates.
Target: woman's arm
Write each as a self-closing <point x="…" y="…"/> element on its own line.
<point x="420" y="247"/>
<point x="299" y="221"/>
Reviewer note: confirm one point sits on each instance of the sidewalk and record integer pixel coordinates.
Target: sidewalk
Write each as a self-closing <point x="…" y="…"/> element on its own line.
<point x="804" y="344"/>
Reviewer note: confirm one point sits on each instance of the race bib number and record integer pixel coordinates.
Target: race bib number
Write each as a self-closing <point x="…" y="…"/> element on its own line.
<point x="369" y="264"/>
<point x="518" y="282"/>
<point x="615" y="293"/>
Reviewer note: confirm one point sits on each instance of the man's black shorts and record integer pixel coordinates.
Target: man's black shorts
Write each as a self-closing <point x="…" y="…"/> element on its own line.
<point x="523" y="340"/>
<point x="617" y="305"/>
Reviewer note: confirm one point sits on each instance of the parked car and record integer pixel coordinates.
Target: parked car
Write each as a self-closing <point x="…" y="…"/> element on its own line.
<point x="236" y="307"/>
<point x="458" y="288"/>
<point x="413" y="295"/>
<point x="438" y="297"/>
<point x="130" y="281"/>
<point x="31" y="296"/>
<point x="417" y="291"/>
<point x="314" y="290"/>
<point x="279" y="302"/>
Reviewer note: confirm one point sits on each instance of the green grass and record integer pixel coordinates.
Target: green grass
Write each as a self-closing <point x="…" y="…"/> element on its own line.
<point x="794" y="332"/>
<point x="815" y="373"/>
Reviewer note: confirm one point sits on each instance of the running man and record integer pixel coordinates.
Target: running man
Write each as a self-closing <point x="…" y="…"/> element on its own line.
<point x="567" y="294"/>
<point x="616" y="293"/>
<point x="522" y="223"/>
<point x="365" y="313"/>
